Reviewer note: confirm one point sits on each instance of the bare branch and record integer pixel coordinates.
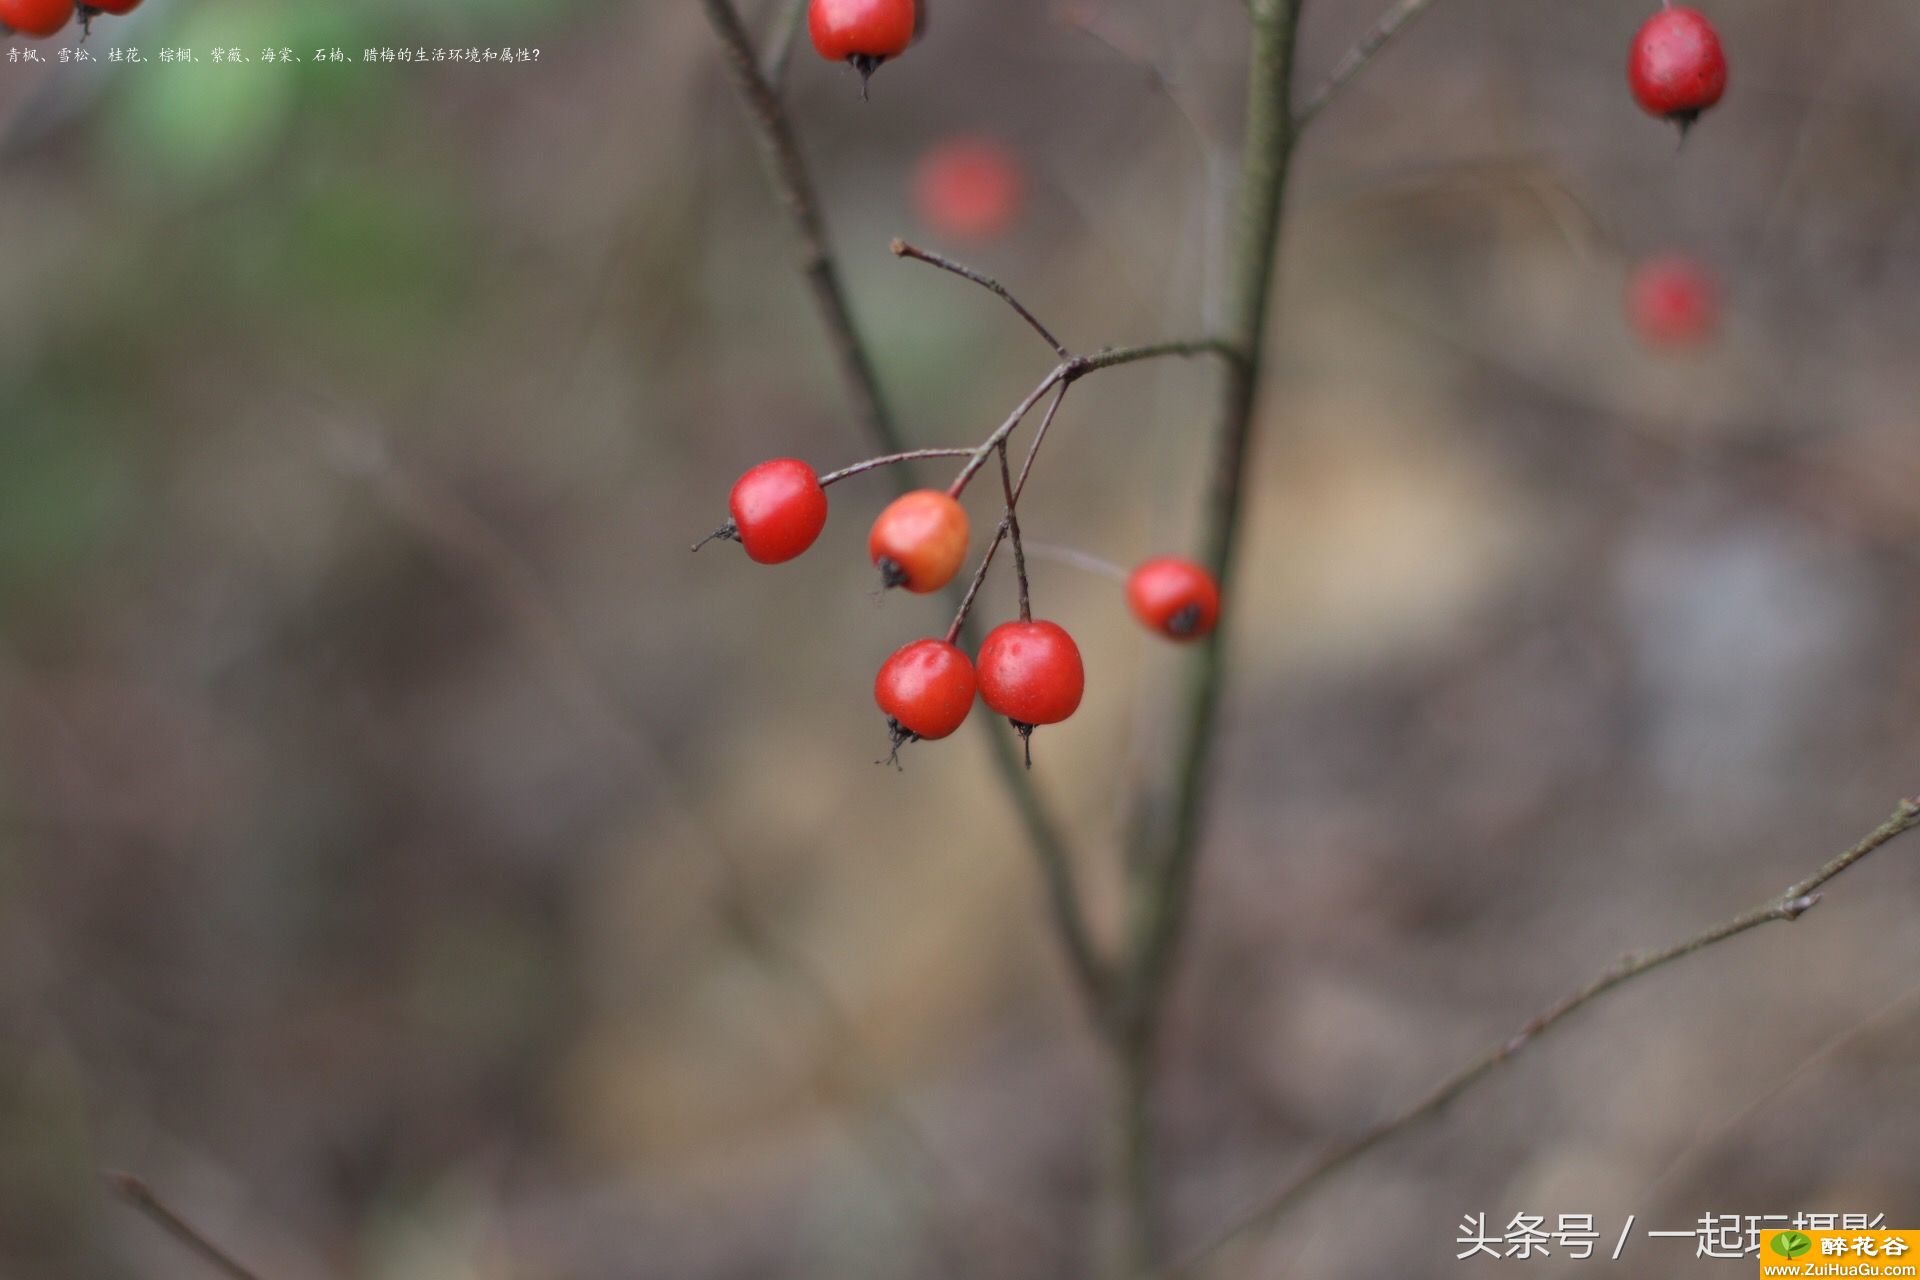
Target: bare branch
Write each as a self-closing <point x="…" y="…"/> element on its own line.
<point x="901" y="249"/>
<point x="1796" y="901"/>
<point x="1391" y="24"/>
<point x="137" y="1193"/>
<point x="892" y="459"/>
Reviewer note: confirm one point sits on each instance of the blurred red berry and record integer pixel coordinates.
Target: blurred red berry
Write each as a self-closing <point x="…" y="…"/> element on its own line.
<point x="38" y="18"/>
<point x="969" y="188"/>
<point x="1175" y="597"/>
<point x="1674" y="302"/>
<point x="1030" y="672"/>
<point x="926" y="689"/>
<point x="1676" y="67"/>
<point x="863" y="32"/>
<point x="778" y="510"/>
<point x="118" y="8"/>
<point x="919" y="540"/>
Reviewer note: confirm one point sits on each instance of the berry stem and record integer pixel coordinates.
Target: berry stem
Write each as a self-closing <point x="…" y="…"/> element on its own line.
<point x="1039" y="438"/>
<point x="973" y="587"/>
<point x="1013" y="531"/>
<point x="901" y="249"/>
<point x="1072" y="370"/>
<point x="1007" y="525"/>
<point x="728" y="532"/>
<point x="892" y="459"/>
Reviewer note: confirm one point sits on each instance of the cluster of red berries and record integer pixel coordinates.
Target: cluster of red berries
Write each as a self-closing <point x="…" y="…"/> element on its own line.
<point x="1028" y="670"/>
<point x="43" y="18"/>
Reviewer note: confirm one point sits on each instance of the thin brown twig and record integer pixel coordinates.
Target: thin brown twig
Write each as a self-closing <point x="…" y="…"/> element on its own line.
<point x="1390" y="24"/>
<point x="1796" y="901"/>
<point x="1039" y="438"/>
<point x="1013" y="532"/>
<point x="1057" y="376"/>
<point x="979" y="578"/>
<point x="893" y="459"/>
<point x="1071" y="370"/>
<point x="901" y="249"/>
<point x="136" y="1192"/>
<point x="1000" y="534"/>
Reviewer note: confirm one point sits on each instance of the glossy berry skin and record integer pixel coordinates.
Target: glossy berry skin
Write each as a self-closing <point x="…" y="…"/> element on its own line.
<point x="1676" y="67"/>
<point x="1174" y="597"/>
<point x="919" y="541"/>
<point x="1673" y="303"/>
<point x="38" y="18"/>
<point x="969" y="188"/>
<point x="1030" y="672"/>
<point x="926" y="688"/>
<point x="778" y="510"/>
<point x="857" y="31"/>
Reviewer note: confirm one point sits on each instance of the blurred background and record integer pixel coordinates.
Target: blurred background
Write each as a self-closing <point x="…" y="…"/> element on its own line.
<point x="415" y="864"/>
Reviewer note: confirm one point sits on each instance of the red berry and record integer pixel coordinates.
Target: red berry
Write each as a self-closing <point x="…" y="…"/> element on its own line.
<point x="778" y="510"/>
<point x="969" y="188"/>
<point x="863" y="32"/>
<point x="1673" y="302"/>
<point x="1030" y="672"/>
<point x="919" y="540"/>
<point x="926" y="689"/>
<point x="1676" y="68"/>
<point x="118" y="8"/>
<point x="1175" y="597"/>
<point x="36" y="17"/>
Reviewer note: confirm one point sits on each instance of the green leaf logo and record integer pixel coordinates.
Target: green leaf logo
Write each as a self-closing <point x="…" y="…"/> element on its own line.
<point x="1791" y="1244"/>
